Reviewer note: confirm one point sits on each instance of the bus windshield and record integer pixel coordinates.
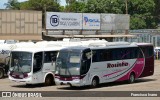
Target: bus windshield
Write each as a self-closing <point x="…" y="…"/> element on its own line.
<point x="21" y="62"/>
<point x="68" y="63"/>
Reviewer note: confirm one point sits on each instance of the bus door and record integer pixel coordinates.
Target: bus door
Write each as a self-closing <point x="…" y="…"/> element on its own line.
<point x="37" y="67"/>
<point x="49" y="61"/>
<point x="85" y="65"/>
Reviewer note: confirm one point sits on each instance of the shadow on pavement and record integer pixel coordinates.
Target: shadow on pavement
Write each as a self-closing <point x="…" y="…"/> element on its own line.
<point x="30" y="85"/>
<point x="112" y="84"/>
<point x="67" y="87"/>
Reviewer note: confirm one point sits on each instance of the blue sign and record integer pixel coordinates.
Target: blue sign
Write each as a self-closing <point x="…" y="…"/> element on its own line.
<point x="54" y="20"/>
<point x="86" y="19"/>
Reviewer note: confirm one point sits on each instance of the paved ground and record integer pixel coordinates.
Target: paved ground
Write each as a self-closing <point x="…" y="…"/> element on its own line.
<point x="151" y="83"/>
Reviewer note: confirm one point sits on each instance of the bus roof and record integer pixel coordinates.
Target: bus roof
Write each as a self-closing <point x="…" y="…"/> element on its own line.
<point x="36" y="49"/>
<point x="109" y="45"/>
<point x="144" y="44"/>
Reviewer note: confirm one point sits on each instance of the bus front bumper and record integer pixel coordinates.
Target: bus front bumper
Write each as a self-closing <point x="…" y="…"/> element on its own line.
<point x="25" y="80"/>
<point x="71" y="83"/>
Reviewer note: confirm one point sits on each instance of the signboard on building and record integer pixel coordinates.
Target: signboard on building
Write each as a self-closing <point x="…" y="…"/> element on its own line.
<point x="91" y="21"/>
<point x="115" y="22"/>
<point x="57" y="20"/>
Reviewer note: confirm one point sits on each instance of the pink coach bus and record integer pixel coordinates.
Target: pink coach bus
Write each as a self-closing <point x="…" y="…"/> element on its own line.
<point x="102" y="63"/>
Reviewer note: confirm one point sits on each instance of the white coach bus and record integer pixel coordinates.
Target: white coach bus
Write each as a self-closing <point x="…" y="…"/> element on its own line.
<point x="37" y="64"/>
<point x="102" y="63"/>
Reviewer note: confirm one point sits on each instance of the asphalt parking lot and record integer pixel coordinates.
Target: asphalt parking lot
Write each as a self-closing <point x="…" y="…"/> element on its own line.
<point x="151" y="83"/>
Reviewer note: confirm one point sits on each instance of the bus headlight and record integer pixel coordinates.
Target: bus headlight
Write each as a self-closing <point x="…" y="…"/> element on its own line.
<point x="56" y="72"/>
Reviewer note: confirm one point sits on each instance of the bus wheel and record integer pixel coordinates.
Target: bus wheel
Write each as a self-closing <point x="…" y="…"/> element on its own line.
<point x="48" y="81"/>
<point x="28" y="85"/>
<point x="131" y="78"/>
<point x="95" y="82"/>
<point x="1" y="73"/>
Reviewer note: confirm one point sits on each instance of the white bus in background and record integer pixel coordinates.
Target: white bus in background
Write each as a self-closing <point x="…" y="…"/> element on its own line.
<point x="37" y="65"/>
<point x="5" y="49"/>
<point x="8" y="41"/>
<point x="102" y="63"/>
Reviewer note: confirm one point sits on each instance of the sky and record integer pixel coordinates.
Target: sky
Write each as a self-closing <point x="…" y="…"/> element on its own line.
<point x="2" y="2"/>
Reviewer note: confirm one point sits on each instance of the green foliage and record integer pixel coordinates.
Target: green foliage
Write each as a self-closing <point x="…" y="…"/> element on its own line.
<point x="157" y="11"/>
<point x="75" y="7"/>
<point x="69" y="2"/>
<point x="141" y="12"/>
<point x="42" y="5"/>
<point x="24" y="5"/>
<point x="104" y="6"/>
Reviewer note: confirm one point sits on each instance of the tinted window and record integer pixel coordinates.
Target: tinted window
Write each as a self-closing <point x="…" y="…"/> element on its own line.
<point x="94" y="56"/>
<point x="50" y="56"/>
<point x="105" y="55"/>
<point x="37" y="62"/>
<point x="116" y="54"/>
<point x="148" y="51"/>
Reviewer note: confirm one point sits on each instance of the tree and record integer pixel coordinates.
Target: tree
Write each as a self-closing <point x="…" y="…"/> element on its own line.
<point x="104" y="6"/>
<point x="142" y="14"/>
<point x="157" y="10"/>
<point x="75" y="6"/>
<point x="141" y="11"/>
<point x="42" y="5"/>
<point x="12" y="4"/>
<point x="69" y="2"/>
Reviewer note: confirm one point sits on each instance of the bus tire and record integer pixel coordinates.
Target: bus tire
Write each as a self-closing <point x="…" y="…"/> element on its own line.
<point x="95" y="82"/>
<point x="28" y="85"/>
<point x="48" y="80"/>
<point x="131" y="78"/>
<point x="1" y="73"/>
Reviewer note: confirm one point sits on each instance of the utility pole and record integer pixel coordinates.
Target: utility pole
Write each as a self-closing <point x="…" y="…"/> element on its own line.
<point x="126" y="3"/>
<point x="45" y="19"/>
<point x="126" y="31"/>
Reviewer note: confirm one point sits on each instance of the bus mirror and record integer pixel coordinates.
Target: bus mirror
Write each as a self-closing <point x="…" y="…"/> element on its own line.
<point x="7" y="60"/>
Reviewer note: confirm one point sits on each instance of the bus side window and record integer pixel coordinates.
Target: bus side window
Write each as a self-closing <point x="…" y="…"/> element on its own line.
<point x="140" y="55"/>
<point x="114" y="54"/>
<point x="105" y="55"/>
<point x="94" y="56"/>
<point x="50" y="56"/>
<point x="133" y="53"/>
<point x="148" y="51"/>
<point x="151" y="51"/>
<point x="37" y="61"/>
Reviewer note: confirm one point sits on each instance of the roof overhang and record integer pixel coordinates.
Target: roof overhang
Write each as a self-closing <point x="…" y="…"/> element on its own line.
<point x="21" y="37"/>
<point x="89" y="36"/>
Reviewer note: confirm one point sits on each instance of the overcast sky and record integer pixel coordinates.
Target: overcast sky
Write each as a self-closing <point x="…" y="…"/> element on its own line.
<point x="2" y="2"/>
